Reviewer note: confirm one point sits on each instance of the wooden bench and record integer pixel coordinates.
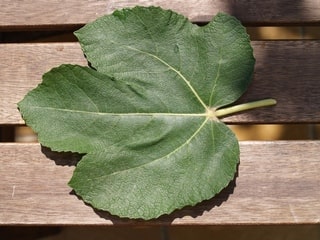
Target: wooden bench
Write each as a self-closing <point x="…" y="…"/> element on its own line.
<point x="278" y="182"/>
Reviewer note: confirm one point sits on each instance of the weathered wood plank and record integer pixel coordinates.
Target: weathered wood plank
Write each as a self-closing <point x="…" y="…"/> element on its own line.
<point x="249" y="12"/>
<point x="277" y="182"/>
<point x="285" y="70"/>
<point x="54" y="14"/>
<point x="23" y="66"/>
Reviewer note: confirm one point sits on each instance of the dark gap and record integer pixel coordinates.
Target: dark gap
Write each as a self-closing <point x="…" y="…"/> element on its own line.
<point x="134" y="231"/>
<point x="40" y="28"/>
<point x="38" y="36"/>
<point x="28" y="232"/>
<point x="17" y="133"/>
<point x="7" y="133"/>
<point x="52" y="34"/>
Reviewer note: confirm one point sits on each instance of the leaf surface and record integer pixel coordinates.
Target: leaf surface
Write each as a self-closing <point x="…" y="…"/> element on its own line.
<point x="144" y="114"/>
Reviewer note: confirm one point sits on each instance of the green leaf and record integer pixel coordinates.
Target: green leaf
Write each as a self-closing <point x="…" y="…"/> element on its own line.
<point x="144" y="115"/>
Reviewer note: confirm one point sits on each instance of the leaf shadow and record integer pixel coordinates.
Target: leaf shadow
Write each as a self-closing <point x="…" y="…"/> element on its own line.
<point x="167" y="219"/>
<point x="62" y="158"/>
<point x="204" y="206"/>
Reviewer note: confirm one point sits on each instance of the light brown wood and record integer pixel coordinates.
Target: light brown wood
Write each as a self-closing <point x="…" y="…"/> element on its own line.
<point x="277" y="182"/>
<point x="284" y="70"/>
<point x="23" y="67"/>
<point x="55" y="14"/>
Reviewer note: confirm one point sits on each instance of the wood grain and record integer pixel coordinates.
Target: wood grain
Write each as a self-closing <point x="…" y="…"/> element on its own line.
<point x="17" y="14"/>
<point x="285" y="70"/>
<point x="277" y="182"/>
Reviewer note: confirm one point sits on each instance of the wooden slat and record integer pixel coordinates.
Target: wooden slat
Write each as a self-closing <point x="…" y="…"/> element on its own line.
<point x="285" y="70"/>
<point x="54" y="13"/>
<point x="249" y="12"/>
<point x="23" y="66"/>
<point x="277" y="182"/>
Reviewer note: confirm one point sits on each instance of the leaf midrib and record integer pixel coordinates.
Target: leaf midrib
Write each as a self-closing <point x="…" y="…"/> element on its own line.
<point x="123" y="114"/>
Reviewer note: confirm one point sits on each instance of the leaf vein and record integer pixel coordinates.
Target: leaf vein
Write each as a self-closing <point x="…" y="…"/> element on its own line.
<point x="215" y="82"/>
<point x="123" y="114"/>
<point x="175" y="70"/>
<point x="166" y="156"/>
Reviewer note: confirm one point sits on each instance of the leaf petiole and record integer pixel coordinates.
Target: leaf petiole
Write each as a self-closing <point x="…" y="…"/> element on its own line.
<point x="245" y="106"/>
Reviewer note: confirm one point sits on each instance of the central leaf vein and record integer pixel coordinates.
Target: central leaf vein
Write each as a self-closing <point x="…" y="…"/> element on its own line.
<point x="123" y="114"/>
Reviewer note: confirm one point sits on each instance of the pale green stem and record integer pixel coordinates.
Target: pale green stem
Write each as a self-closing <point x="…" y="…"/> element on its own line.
<point x="245" y="106"/>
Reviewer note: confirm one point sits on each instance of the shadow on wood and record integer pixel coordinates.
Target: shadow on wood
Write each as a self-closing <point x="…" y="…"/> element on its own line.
<point x="62" y="158"/>
<point x="190" y="211"/>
